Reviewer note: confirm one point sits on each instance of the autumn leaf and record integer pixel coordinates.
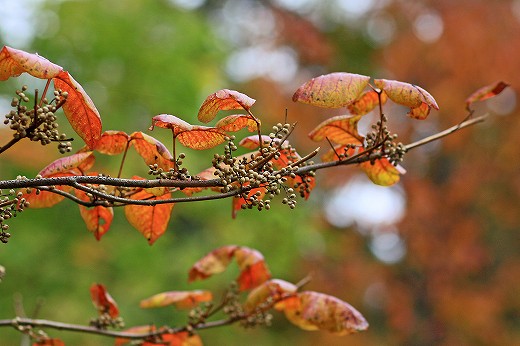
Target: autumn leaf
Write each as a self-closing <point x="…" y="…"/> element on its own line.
<point x="97" y="219"/>
<point x="317" y="311"/>
<point x="79" y="109"/>
<point x="14" y="62"/>
<point x="332" y="90"/>
<point x="253" y="269"/>
<point x="150" y="221"/>
<point x="366" y="102"/>
<point x="112" y="142"/>
<point x="66" y="166"/>
<point x="224" y="99"/>
<point x="152" y="150"/>
<point x="236" y="122"/>
<point x="274" y="289"/>
<point x="137" y="330"/>
<point x="49" y="342"/>
<point x="102" y="300"/>
<point x="168" y="121"/>
<point x="485" y="93"/>
<point x="341" y="129"/>
<point x="238" y="201"/>
<point x="251" y="142"/>
<point x="382" y="172"/>
<point x="181" y="299"/>
<point x="409" y="95"/>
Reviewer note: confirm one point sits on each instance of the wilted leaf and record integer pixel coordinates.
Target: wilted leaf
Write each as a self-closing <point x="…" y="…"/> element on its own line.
<point x="79" y="109"/>
<point x="181" y="299"/>
<point x="150" y="221"/>
<point x="97" y="219"/>
<point x="152" y="151"/>
<point x="14" y="62"/>
<point x="333" y="90"/>
<point x="486" y="92"/>
<point x="274" y="289"/>
<point x="409" y="95"/>
<point x="317" y="311"/>
<point x="202" y="137"/>
<point x="224" y="99"/>
<point x="253" y="270"/>
<point x="368" y="100"/>
<point x="340" y="129"/>
<point x="102" y="300"/>
<point x="382" y="172"/>
<point x="112" y="142"/>
<point x="236" y="122"/>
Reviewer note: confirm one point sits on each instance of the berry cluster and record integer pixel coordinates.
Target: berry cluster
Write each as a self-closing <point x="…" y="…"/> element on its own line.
<point x="38" y="123"/>
<point x="10" y="204"/>
<point x="381" y="139"/>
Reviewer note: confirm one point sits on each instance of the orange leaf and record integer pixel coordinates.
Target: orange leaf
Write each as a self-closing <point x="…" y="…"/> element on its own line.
<point x="181" y="299"/>
<point x="318" y="311"/>
<point x="253" y="270"/>
<point x="112" y="142"/>
<point x="102" y="300"/>
<point x="274" y="289"/>
<point x="168" y="121"/>
<point x="368" y="100"/>
<point x="202" y="137"/>
<point x="150" y="221"/>
<point x="341" y="129"/>
<point x="409" y="95"/>
<point x="238" y="201"/>
<point x="14" y="62"/>
<point x="486" y="92"/>
<point x="68" y="164"/>
<point x="382" y="172"/>
<point x="251" y="142"/>
<point x="236" y="122"/>
<point x="79" y="109"/>
<point x="224" y="99"/>
<point x="97" y="219"/>
<point x="138" y="330"/>
<point x="151" y="150"/>
<point x="333" y="90"/>
<point x="175" y="339"/>
<point x="49" y="342"/>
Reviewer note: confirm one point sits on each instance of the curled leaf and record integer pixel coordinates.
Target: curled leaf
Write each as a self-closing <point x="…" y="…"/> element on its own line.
<point x="332" y="90"/>
<point x="340" y="129"/>
<point x="79" y="109"/>
<point x="103" y="301"/>
<point x="253" y="269"/>
<point x="317" y="311"/>
<point x="409" y="95"/>
<point x="366" y="102"/>
<point x="152" y="150"/>
<point x="181" y="299"/>
<point x="485" y="93"/>
<point x="224" y="99"/>
<point x="168" y="121"/>
<point x="150" y="221"/>
<point x="14" y="62"/>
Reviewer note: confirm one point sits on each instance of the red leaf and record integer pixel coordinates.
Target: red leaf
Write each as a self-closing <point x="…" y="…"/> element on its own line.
<point x="251" y="142"/>
<point x="238" y="201"/>
<point x="137" y="330"/>
<point x="368" y="100"/>
<point x="68" y="164"/>
<point x="14" y="62"/>
<point x="150" y="221"/>
<point x="224" y="99"/>
<point x="253" y="270"/>
<point x="97" y="219"/>
<point x="152" y="151"/>
<point x="79" y="109"/>
<point x="341" y="129"/>
<point x="409" y="95"/>
<point x="333" y="90"/>
<point x="485" y="93"/>
<point x="181" y="299"/>
<point x="317" y="311"/>
<point x="102" y="300"/>
<point x="112" y="142"/>
<point x="236" y="122"/>
<point x="49" y="342"/>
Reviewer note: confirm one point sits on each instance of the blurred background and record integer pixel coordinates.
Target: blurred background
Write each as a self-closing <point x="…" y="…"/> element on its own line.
<point x="434" y="260"/>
